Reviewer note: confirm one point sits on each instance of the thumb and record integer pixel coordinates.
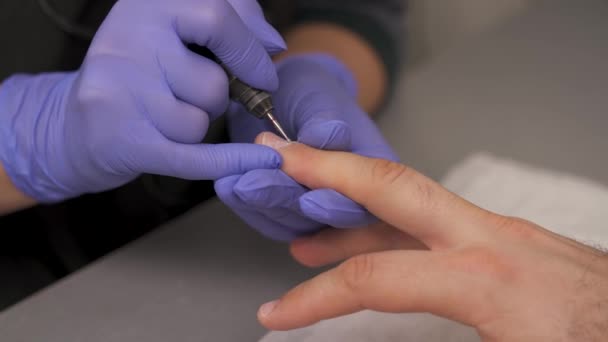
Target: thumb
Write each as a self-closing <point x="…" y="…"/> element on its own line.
<point x="395" y="281"/>
<point x="205" y="161"/>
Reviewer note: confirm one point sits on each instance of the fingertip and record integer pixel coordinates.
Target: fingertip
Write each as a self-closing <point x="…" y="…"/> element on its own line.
<point x="253" y="16"/>
<point x="275" y="160"/>
<point x="271" y="39"/>
<point x="267" y="309"/>
<point x="265" y="314"/>
<point x="268" y="189"/>
<point x="303" y="251"/>
<point x="334" y="209"/>
<point x="257" y="70"/>
<point x="304" y="164"/>
<point x="313" y="210"/>
<point x="260" y="139"/>
<point x="224" y="186"/>
<point x="219" y="161"/>
<point x="251" y="181"/>
<point x="253" y="189"/>
<point x="266" y="159"/>
<point x="274" y="49"/>
<point x="257" y="220"/>
<point x="254" y="158"/>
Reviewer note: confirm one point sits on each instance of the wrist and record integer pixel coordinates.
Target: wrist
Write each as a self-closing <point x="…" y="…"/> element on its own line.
<point x="11" y="198"/>
<point x="31" y="133"/>
<point x="329" y="64"/>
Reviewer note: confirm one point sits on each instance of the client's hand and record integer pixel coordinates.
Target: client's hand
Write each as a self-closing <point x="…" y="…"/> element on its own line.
<point x="510" y="279"/>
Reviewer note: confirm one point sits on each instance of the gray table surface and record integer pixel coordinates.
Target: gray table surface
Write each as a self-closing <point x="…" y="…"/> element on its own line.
<point x="535" y="90"/>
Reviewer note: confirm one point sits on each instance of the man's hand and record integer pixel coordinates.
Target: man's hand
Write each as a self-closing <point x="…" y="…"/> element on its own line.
<point x="317" y="104"/>
<point x="141" y="103"/>
<point x="510" y="279"/>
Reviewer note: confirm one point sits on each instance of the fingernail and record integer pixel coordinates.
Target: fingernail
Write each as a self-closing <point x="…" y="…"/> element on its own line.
<point x="273" y="141"/>
<point x="268" y="308"/>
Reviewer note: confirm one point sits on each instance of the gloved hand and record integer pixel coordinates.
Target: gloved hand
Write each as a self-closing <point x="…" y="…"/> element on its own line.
<point x="141" y="103"/>
<point x="316" y="102"/>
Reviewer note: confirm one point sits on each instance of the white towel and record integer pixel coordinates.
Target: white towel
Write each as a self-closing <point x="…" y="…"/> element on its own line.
<point x="568" y="205"/>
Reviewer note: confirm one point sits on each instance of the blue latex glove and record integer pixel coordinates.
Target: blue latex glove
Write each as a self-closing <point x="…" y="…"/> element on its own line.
<point x="141" y="103"/>
<point x="316" y="102"/>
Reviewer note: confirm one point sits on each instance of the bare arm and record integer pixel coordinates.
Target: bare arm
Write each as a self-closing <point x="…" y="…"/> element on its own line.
<point x="11" y="199"/>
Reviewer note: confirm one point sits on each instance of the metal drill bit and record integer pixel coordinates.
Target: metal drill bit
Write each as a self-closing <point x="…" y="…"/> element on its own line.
<point x="256" y="102"/>
<point x="277" y="126"/>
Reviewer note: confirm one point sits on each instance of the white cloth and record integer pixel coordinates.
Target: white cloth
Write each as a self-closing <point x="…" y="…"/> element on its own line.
<point x="566" y="204"/>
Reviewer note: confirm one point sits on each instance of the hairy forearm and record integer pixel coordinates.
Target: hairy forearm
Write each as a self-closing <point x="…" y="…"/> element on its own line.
<point x="11" y="199"/>
<point x="352" y="50"/>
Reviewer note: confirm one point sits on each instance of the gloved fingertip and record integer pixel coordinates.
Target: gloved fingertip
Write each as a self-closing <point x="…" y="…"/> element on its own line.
<point x="221" y="160"/>
<point x="253" y="217"/>
<point x="271" y="38"/>
<point x="274" y="50"/>
<point x="326" y="135"/>
<point x="313" y="210"/>
<point x="264" y="78"/>
<point x="331" y="208"/>
<point x="224" y="186"/>
<point x="248" y="193"/>
<point x="257" y="180"/>
<point x="268" y="160"/>
<point x="256" y="69"/>
<point x="276" y="161"/>
<point x="274" y="45"/>
<point x="268" y="189"/>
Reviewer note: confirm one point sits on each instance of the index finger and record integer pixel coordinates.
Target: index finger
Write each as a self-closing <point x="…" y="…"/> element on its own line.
<point x="393" y="192"/>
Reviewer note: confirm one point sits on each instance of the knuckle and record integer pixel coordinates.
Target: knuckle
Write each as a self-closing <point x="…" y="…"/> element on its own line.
<point x="388" y="172"/>
<point x="94" y="87"/>
<point x="213" y="13"/>
<point x="484" y="260"/>
<point x="357" y="271"/>
<point x="87" y="95"/>
<point x="425" y="194"/>
<point x="517" y="226"/>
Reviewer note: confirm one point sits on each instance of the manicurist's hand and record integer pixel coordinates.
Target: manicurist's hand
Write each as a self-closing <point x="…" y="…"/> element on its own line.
<point x="435" y="252"/>
<point x="317" y="104"/>
<point x="141" y="103"/>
